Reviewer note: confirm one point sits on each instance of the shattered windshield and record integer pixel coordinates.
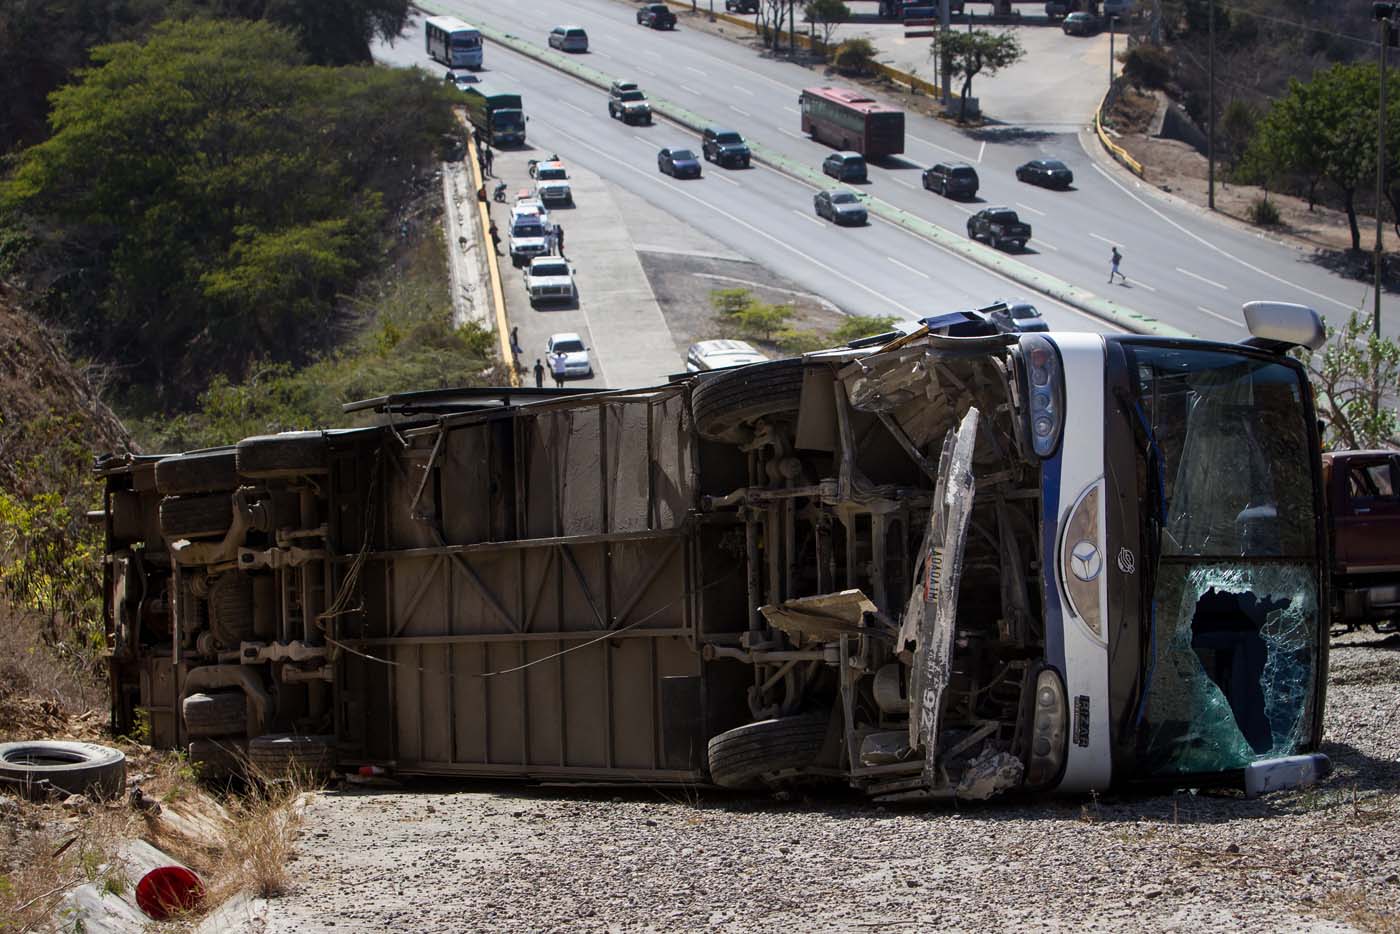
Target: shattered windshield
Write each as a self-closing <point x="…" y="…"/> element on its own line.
<point x="1231" y="555"/>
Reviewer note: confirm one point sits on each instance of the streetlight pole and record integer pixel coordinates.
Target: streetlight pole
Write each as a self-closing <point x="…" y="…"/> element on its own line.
<point x="1110" y="53"/>
<point x="1210" y="116"/>
<point x="1382" y="12"/>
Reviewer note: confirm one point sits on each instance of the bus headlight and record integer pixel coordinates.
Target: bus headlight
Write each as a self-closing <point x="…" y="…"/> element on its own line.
<point x="1049" y="719"/>
<point x="1047" y="395"/>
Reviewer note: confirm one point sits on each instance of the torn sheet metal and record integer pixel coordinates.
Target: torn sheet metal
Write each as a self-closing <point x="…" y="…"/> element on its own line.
<point x="823" y="618"/>
<point x="948" y="522"/>
<point x="989" y="774"/>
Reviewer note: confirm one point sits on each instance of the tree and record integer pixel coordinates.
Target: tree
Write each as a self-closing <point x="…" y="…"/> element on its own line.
<point x="1323" y="129"/>
<point x="332" y="32"/>
<point x="827" y="14"/>
<point x="965" y="55"/>
<point x="854" y="56"/>
<point x="858" y="326"/>
<point x="206" y="196"/>
<point x="1354" y="377"/>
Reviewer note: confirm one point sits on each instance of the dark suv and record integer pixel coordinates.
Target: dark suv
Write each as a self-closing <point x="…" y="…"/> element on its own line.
<point x="741" y="6"/>
<point x="952" y="179"/>
<point x="657" y="16"/>
<point x="725" y="147"/>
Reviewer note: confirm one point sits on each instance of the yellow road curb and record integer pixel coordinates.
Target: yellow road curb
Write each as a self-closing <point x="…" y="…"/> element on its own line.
<point x="1118" y="152"/>
<point x="493" y="269"/>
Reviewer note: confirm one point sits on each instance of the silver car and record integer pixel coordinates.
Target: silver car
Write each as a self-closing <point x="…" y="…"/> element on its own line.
<point x="568" y="39"/>
<point x="840" y="206"/>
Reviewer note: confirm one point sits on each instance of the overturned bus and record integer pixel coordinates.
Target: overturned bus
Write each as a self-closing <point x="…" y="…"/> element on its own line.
<point x="937" y="567"/>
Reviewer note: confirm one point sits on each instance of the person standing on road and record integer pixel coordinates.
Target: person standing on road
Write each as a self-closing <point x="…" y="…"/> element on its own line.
<point x="559" y="239"/>
<point x="1115" y="257"/>
<point x="539" y="374"/>
<point x="515" y="345"/>
<point x="496" y="238"/>
<point x="556" y="364"/>
<point x="489" y="157"/>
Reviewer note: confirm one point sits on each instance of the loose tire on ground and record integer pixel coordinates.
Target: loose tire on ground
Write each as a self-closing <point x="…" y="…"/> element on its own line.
<point x="724" y="402"/>
<point x="291" y="755"/>
<point x="221" y="714"/>
<point x="37" y="769"/>
<point x="219" y="759"/>
<point x="742" y="757"/>
<point x="292" y="454"/>
<point x="202" y="515"/>
<point x="202" y="472"/>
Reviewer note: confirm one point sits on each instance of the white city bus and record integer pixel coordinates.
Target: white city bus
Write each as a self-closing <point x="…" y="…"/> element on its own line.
<point x="454" y="43"/>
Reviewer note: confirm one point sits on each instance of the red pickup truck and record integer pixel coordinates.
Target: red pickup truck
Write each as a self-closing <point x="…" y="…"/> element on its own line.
<point x="1363" y="499"/>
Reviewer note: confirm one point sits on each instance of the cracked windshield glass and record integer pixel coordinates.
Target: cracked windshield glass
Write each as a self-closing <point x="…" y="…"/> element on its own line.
<point x="1232" y="572"/>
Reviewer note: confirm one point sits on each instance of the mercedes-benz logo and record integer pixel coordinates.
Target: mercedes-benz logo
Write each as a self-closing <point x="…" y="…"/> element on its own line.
<point x="1085" y="560"/>
<point x="1126" y="562"/>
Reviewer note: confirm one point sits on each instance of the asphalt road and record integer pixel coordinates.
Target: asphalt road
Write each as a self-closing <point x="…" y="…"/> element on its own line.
<point x="1184" y="268"/>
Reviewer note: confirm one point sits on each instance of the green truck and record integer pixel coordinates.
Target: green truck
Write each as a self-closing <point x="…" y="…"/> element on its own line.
<point x="498" y="114"/>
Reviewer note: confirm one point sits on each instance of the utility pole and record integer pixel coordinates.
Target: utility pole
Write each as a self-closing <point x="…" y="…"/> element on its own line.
<point x="943" y="16"/>
<point x="1110" y="54"/>
<point x="1210" y="116"/>
<point x="1382" y="13"/>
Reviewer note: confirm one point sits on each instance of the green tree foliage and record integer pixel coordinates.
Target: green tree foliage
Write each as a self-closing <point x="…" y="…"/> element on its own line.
<point x="826" y="15"/>
<point x="1148" y="67"/>
<point x="858" y="326"/>
<point x="1323" y="130"/>
<point x="966" y="55"/>
<point x="1354" y="378"/>
<point x="854" y="56"/>
<point x="206" y="196"/>
<point x="332" y="32"/>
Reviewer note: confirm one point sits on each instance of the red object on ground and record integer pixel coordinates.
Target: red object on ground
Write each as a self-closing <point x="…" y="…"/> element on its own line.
<point x="169" y="890"/>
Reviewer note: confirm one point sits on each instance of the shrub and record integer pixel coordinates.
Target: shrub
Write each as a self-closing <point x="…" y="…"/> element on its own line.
<point x="1147" y="66"/>
<point x="858" y="326"/>
<point x="1263" y="212"/>
<point x="854" y="56"/>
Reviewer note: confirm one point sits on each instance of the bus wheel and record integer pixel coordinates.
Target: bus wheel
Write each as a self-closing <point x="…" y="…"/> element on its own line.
<point x="725" y="402"/>
<point x="750" y="756"/>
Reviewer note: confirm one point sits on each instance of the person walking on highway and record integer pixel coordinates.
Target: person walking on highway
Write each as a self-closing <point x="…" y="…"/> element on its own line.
<point x="556" y="364"/>
<point x="539" y="374"/>
<point x="496" y="238"/>
<point x="515" y="345"/>
<point x="1115" y="257"/>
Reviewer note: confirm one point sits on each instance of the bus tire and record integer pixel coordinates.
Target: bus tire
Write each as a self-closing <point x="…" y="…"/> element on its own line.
<point x="38" y="768"/>
<point x="202" y="472"/>
<point x="291" y="755"/>
<point x="290" y="454"/>
<point x="747" y="757"/>
<point x="724" y="402"/>
<point x="203" y="515"/>
<point x="221" y="714"/>
<point x="218" y="759"/>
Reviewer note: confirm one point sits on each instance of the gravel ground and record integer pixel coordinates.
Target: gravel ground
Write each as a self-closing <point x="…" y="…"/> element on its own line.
<point x="470" y="857"/>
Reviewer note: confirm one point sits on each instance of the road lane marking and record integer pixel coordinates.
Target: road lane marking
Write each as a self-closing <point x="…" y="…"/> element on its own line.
<point x="908" y="267"/>
<point x="808" y="217"/>
<point x="1139" y="284"/>
<point x="1223" y="252"/>
<point x="723" y="178"/>
<point x="900" y="181"/>
<point x="1104" y="239"/>
<point x="954" y="152"/>
<point x="690" y="90"/>
<point x="1041" y="243"/>
<point x="697" y="71"/>
<point x="792" y="110"/>
<point x="738" y="111"/>
<point x="743" y="90"/>
<point x="1220" y="316"/>
<point x="790" y="133"/>
<point x="1027" y="207"/>
<point x="586" y="113"/>
<point x="980" y="150"/>
<point x="1187" y="272"/>
<point x="649" y="74"/>
<point x="968" y="211"/>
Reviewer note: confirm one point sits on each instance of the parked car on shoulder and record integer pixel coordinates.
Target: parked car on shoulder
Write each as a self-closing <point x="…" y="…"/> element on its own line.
<point x="1363" y="510"/>
<point x="718" y="354"/>
<point x="657" y="16"/>
<point x="628" y="104"/>
<point x="1048" y="173"/>
<point x="568" y="39"/>
<point x="845" y="167"/>
<point x="840" y="206"/>
<point x="725" y="147"/>
<point x="678" y="163"/>
<point x="999" y="227"/>
<point x="952" y="179"/>
<point x="529" y="238"/>
<point x="552" y="183"/>
<point x="1017" y="317"/>
<point x="577" y="365"/>
<point x="550" y="279"/>
<point x="741" y="6"/>
<point x="1081" y="24"/>
<point x="529" y="207"/>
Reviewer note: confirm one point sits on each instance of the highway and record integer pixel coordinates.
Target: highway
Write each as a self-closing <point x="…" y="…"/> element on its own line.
<point x="1183" y="268"/>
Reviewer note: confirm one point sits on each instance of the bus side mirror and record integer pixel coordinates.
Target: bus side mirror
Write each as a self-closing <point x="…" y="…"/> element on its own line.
<point x="1281" y="326"/>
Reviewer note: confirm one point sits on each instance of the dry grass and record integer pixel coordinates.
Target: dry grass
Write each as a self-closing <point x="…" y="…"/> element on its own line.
<point x="1362" y="910"/>
<point x="47" y="851"/>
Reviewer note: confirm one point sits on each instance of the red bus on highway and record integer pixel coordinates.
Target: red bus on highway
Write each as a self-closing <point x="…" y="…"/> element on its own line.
<point x="849" y="120"/>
